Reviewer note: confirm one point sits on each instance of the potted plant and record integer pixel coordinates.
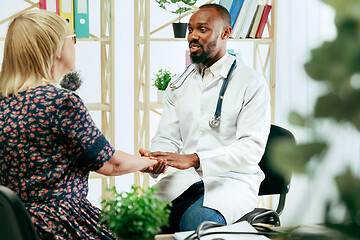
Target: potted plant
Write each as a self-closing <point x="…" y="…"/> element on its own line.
<point x="178" y="7"/>
<point x="161" y="81"/>
<point x="71" y="81"/>
<point x="136" y="214"/>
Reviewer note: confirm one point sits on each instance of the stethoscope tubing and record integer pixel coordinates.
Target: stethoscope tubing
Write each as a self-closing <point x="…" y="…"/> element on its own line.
<point x="215" y="121"/>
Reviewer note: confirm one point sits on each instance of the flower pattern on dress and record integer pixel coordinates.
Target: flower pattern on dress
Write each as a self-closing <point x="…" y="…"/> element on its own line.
<point x="48" y="145"/>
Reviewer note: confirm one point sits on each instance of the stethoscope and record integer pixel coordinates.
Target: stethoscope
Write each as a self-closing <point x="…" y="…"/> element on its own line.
<point x="215" y="121"/>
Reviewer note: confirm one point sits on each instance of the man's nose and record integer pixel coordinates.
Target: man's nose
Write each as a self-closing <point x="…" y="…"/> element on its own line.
<point x="193" y="36"/>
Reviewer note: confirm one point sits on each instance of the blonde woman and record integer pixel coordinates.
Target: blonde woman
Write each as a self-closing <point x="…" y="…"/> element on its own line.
<point x="48" y="141"/>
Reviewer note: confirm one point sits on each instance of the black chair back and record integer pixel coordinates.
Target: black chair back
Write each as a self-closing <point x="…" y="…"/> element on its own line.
<point x="275" y="182"/>
<point x="15" y="222"/>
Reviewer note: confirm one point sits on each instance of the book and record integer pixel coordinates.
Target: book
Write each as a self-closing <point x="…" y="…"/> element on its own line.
<point x="240" y="19"/>
<point x="248" y="19"/>
<point x="234" y="10"/>
<point x="256" y="21"/>
<point x="263" y="21"/>
<point x="226" y="4"/>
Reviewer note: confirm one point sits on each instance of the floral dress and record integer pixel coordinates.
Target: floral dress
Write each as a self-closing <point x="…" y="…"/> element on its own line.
<point x="48" y="145"/>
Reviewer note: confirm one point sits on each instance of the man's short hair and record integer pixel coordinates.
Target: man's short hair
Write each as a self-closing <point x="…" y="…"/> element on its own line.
<point x="223" y="12"/>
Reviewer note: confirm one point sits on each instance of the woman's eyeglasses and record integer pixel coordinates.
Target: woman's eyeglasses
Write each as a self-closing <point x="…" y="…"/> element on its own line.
<point x="73" y="38"/>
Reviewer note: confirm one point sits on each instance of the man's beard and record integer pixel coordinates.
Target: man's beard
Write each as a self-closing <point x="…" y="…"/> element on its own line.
<point x="204" y="56"/>
<point x="201" y="58"/>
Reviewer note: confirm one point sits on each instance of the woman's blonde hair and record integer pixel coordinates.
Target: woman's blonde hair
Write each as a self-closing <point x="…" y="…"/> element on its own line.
<point x="33" y="40"/>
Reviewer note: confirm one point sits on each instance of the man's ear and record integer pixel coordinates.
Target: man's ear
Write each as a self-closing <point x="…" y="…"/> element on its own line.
<point x="226" y="33"/>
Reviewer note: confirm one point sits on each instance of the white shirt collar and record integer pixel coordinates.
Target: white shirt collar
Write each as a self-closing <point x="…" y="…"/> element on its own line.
<point x="215" y="69"/>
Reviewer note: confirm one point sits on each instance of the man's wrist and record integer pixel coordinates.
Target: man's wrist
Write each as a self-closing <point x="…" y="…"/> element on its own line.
<point x="196" y="161"/>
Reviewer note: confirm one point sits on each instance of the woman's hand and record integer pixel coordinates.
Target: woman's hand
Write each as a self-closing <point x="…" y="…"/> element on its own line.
<point x="122" y="163"/>
<point x="158" y="168"/>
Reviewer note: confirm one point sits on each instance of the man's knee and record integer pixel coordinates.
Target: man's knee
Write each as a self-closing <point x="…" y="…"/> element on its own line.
<point x="195" y="215"/>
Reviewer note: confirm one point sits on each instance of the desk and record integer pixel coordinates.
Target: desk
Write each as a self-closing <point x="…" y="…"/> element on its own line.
<point x="301" y="232"/>
<point x="164" y="237"/>
<point x="309" y="232"/>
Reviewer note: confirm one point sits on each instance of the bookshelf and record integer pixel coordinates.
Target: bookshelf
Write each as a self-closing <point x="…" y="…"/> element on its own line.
<point x="106" y="105"/>
<point x="264" y="60"/>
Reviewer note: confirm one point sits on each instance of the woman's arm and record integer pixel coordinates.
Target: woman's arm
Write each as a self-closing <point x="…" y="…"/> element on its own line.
<point x="121" y="163"/>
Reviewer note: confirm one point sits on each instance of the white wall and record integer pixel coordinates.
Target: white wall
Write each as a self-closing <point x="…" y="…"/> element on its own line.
<point x="301" y="27"/>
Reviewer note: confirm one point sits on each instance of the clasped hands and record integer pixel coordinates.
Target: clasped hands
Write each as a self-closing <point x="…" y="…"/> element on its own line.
<point x="176" y="160"/>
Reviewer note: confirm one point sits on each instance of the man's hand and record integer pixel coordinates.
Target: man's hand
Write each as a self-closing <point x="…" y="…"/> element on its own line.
<point x="158" y="168"/>
<point x="179" y="161"/>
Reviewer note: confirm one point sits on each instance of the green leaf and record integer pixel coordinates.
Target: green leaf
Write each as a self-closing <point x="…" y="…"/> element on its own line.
<point x="296" y="119"/>
<point x="135" y="214"/>
<point x="162" y="79"/>
<point x="288" y="156"/>
<point x="341" y="108"/>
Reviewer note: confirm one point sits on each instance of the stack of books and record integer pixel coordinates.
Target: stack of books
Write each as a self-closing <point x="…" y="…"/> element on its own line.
<point x="248" y="17"/>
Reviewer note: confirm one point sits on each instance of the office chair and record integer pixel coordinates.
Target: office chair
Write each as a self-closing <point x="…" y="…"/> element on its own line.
<point x="274" y="182"/>
<point x="15" y="222"/>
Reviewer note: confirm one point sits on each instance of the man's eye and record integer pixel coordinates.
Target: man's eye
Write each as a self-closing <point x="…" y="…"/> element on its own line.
<point x="202" y="29"/>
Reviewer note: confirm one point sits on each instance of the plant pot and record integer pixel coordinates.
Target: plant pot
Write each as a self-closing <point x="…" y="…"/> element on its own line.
<point x="160" y="96"/>
<point x="179" y="29"/>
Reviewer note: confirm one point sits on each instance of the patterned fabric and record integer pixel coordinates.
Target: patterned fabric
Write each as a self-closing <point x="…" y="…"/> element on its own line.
<point x="48" y="145"/>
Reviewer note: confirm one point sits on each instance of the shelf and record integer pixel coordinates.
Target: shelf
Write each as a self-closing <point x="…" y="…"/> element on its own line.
<point x="153" y="105"/>
<point x="98" y="106"/>
<point x="91" y="39"/>
<point x="259" y="40"/>
<point x="95" y="175"/>
<point x="95" y="39"/>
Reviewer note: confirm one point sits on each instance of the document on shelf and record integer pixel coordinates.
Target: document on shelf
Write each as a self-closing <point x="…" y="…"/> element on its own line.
<point x="243" y="230"/>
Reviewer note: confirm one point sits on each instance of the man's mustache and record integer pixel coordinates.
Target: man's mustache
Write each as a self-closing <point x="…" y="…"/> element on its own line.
<point x="195" y="42"/>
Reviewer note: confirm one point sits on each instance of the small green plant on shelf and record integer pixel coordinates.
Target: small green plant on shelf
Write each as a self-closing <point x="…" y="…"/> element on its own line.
<point x="136" y="214"/>
<point x="162" y="79"/>
<point x="176" y="6"/>
<point x="71" y="81"/>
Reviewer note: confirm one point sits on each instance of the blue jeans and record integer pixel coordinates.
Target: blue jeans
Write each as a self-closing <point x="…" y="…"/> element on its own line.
<point x="187" y="210"/>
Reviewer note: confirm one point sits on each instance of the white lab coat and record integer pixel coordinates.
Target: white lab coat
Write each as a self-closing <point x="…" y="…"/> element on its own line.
<point x="229" y="155"/>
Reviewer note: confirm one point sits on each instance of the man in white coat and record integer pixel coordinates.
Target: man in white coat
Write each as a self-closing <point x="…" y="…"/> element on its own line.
<point x="218" y="177"/>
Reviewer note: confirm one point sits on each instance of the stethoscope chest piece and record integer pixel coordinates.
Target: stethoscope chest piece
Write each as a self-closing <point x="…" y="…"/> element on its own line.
<point x="214" y="122"/>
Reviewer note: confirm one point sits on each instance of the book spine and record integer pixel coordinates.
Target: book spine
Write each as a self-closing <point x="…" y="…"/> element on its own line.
<point x="263" y="21"/>
<point x="240" y="19"/>
<point x="257" y="19"/>
<point x="234" y="10"/>
<point x="248" y="18"/>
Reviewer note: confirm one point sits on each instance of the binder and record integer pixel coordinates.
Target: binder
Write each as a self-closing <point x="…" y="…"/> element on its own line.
<point x="66" y="11"/>
<point x="81" y="18"/>
<point x="50" y="5"/>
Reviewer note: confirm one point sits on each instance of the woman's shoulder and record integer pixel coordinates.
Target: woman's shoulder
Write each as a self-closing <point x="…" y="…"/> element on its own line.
<point x="50" y="93"/>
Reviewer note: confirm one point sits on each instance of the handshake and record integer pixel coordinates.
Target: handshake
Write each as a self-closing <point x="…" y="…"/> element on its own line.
<point x="175" y="160"/>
